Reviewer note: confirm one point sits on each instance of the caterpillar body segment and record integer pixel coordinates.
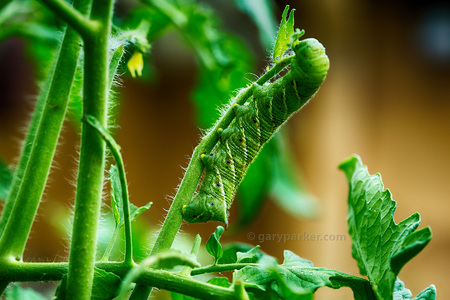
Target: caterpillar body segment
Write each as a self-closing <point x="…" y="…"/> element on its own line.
<point x="254" y="124"/>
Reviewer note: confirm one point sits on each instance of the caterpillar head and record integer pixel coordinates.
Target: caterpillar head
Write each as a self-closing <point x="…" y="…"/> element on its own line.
<point x="205" y="207"/>
<point x="311" y="58"/>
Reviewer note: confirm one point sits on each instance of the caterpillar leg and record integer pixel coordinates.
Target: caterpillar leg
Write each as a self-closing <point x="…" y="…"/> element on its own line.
<point x="205" y="207"/>
<point x="207" y="160"/>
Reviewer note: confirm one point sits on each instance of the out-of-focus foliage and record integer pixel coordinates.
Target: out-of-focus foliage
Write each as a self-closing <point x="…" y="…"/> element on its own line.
<point x="16" y="292"/>
<point x="6" y="176"/>
<point x="33" y="23"/>
<point x="261" y="12"/>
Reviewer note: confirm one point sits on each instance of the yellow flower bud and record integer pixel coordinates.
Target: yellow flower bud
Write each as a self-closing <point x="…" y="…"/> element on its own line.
<point x="136" y="64"/>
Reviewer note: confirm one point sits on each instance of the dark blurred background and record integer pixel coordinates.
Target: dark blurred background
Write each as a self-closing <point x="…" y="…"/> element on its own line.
<point x="386" y="98"/>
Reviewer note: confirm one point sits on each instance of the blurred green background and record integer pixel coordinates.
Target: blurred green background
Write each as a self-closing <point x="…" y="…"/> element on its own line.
<point x="386" y="98"/>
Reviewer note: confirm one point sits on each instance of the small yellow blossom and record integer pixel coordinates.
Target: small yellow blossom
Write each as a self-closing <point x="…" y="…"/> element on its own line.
<point x="136" y="64"/>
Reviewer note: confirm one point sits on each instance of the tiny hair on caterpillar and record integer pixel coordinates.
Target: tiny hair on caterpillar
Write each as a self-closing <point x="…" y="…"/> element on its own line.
<point x="254" y="123"/>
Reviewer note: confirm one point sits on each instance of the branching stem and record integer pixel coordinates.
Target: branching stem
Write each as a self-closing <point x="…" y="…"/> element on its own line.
<point x="220" y="268"/>
<point x="92" y="156"/>
<point x="39" y="148"/>
<point x="71" y="16"/>
<point x="19" y="271"/>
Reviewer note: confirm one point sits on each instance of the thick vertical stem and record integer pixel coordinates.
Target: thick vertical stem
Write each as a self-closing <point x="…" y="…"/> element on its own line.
<point x="92" y="156"/>
<point x="37" y="155"/>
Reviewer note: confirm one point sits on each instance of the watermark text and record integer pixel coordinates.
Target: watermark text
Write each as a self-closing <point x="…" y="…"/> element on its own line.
<point x="295" y="237"/>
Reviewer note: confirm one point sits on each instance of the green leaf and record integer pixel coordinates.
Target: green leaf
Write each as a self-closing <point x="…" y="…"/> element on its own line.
<point x="259" y="278"/>
<point x="298" y="276"/>
<point x="213" y="245"/>
<point x="159" y="21"/>
<point x="287" y="188"/>
<point x="379" y="245"/>
<point x="19" y="293"/>
<point x="220" y="281"/>
<point x="176" y="296"/>
<point x="137" y="211"/>
<point x="427" y="294"/>
<point x="196" y="245"/>
<point x="106" y="285"/>
<point x="116" y="195"/>
<point x="198" y="24"/>
<point x="223" y="58"/>
<point x="251" y="256"/>
<point x="117" y="201"/>
<point x="230" y="252"/>
<point x="283" y="42"/>
<point x="216" y="85"/>
<point x="289" y="291"/>
<point x="402" y="293"/>
<point x="309" y="277"/>
<point x="6" y="176"/>
<point x="60" y="293"/>
<point x="35" y="24"/>
<point x="262" y="14"/>
<point x="171" y="258"/>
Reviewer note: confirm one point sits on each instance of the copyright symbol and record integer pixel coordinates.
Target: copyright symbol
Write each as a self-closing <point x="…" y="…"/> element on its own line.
<point x="251" y="236"/>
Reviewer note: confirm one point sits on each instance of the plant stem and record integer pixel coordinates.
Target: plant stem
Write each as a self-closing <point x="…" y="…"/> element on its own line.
<point x="34" y="164"/>
<point x="19" y="271"/>
<point x="220" y="268"/>
<point x="174" y="218"/>
<point x="115" y="150"/>
<point x="74" y="18"/>
<point x="92" y="156"/>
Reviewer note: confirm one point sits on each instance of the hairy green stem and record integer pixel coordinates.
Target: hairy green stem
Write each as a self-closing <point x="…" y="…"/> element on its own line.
<point x="220" y="268"/>
<point x="92" y="156"/>
<point x="74" y="18"/>
<point x="174" y="218"/>
<point x="19" y="271"/>
<point x="37" y="155"/>
<point x="115" y="150"/>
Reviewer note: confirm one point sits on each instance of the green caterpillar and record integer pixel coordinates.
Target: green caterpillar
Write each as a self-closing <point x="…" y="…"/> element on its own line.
<point x="254" y="124"/>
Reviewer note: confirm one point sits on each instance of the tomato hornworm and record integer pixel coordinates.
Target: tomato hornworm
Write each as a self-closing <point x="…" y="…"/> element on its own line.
<point x="255" y="122"/>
